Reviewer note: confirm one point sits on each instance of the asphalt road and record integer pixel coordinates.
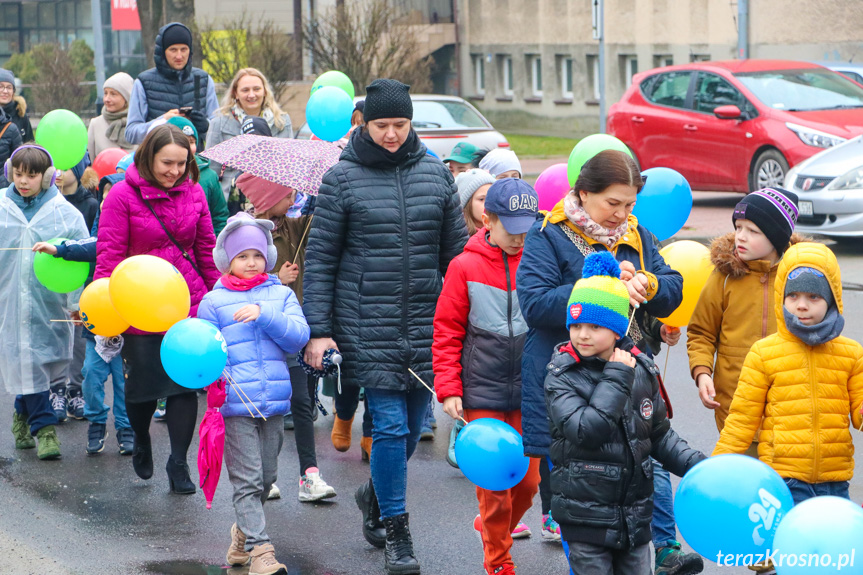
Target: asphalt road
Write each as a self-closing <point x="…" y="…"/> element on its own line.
<point x="91" y="515"/>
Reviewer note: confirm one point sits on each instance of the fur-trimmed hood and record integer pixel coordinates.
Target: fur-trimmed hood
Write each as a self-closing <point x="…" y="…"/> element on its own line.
<point x="723" y="256"/>
<point x="90" y="179"/>
<point x="21" y="103"/>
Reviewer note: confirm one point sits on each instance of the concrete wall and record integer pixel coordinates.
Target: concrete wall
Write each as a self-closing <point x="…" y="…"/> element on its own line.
<point x="648" y="30"/>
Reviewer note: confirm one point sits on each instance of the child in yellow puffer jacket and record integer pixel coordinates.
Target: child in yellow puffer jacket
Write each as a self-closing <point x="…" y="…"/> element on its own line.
<point x="806" y="381"/>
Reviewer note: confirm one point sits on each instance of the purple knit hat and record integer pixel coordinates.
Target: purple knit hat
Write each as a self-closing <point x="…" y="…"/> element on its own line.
<point x="243" y="232"/>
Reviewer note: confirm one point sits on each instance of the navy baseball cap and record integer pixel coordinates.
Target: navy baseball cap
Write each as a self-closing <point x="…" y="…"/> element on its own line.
<point x="514" y="202"/>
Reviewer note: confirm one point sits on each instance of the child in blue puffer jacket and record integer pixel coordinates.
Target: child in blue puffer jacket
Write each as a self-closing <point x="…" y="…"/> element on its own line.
<point x="262" y="322"/>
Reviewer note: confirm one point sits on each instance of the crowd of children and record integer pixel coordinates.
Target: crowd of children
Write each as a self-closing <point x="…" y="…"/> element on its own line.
<point x="765" y="346"/>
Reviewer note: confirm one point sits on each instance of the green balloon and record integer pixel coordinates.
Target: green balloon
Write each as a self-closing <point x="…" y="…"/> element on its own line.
<point x="587" y="148"/>
<point x="57" y="274"/>
<point x="337" y="79"/>
<point x="64" y="135"/>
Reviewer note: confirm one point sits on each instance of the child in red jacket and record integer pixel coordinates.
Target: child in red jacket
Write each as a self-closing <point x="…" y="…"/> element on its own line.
<point x="479" y="335"/>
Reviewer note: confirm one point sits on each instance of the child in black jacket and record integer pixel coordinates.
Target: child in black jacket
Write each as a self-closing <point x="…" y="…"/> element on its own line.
<point x="607" y="419"/>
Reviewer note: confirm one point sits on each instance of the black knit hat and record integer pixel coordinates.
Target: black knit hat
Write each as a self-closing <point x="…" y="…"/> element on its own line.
<point x="387" y="98"/>
<point x="774" y="211"/>
<point x="256" y="125"/>
<point x="176" y="33"/>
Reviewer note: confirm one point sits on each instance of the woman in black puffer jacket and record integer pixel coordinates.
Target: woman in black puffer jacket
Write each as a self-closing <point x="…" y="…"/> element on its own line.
<point x="387" y="223"/>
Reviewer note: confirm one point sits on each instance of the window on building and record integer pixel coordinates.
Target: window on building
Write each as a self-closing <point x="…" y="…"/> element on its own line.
<point x="535" y="75"/>
<point x="593" y="76"/>
<point x="699" y="57"/>
<point x="566" y="78"/>
<point x="506" y="75"/>
<point x="660" y="60"/>
<point x="479" y="74"/>
<point x="628" y="69"/>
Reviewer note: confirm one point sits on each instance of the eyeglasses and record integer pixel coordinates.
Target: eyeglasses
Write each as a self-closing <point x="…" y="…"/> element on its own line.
<point x="7" y="88"/>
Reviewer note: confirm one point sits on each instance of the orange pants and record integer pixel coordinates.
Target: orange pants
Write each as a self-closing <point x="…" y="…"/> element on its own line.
<point x="502" y="510"/>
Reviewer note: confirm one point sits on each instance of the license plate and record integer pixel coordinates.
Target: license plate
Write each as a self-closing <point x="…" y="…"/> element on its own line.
<point x="805" y="208"/>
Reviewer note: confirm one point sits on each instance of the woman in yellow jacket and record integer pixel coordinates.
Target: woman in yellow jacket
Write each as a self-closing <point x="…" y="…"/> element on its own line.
<point x="806" y="381"/>
<point x="736" y="306"/>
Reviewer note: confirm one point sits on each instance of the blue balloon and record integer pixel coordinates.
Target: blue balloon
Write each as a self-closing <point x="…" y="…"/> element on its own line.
<point x="194" y="353"/>
<point x="823" y="534"/>
<point x="328" y="113"/>
<point x="490" y="453"/>
<point x="664" y="203"/>
<point x="731" y="505"/>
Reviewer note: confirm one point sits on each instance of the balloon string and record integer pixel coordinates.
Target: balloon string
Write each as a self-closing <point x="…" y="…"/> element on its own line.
<point x="12" y="249"/>
<point x="430" y="389"/>
<point x="240" y="389"/>
<point x="300" y="245"/>
<point x="667" y="355"/>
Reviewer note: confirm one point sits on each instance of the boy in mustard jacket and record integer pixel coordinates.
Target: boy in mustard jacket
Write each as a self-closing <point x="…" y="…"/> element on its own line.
<point x="806" y="381"/>
<point x="736" y="306"/>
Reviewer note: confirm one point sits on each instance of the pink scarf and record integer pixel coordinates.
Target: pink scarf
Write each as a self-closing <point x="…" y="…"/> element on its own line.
<point x="576" y="214"/>
<point x="234" y="283"/>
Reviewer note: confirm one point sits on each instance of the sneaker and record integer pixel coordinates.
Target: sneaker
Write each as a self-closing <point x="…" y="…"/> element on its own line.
<point x="521" y="531"/>
<point x="313" y="487"/>
<point x="275" y="492"/>
<point x="453" y="435"/>
<point x="21" y="431"/>
<point x="96" y="435"/>
<point x="550" y="529"/>
<point x="237" y="554"/>
<point x="505" y="569"/>
<point x="126" y="440"/>
<point x="432" y="420"/>
<point x="48" y="443"/>
<point x="427" y="433"/>
<point x="289" y="421"/>
<point x="264" y="561"/>
<point x="671" y="560"/>
<point x="159" y="415"/>
<point x="58" y="404"/>
<point x="75" y="405"/>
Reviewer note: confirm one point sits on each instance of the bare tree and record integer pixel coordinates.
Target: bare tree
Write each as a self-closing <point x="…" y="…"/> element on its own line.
<point x="367" y="40"/>
<point x="239" y="42"/>
<point x="56" y="76"/>
<point x="156" y="13"/>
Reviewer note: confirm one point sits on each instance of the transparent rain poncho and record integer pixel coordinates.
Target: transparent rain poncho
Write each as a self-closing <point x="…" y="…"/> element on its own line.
<point x="33" y="350"/>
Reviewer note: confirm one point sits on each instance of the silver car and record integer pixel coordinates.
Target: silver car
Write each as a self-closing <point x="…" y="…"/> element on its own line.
<point x="829" y="187"/>
<point x="441" y="122"/>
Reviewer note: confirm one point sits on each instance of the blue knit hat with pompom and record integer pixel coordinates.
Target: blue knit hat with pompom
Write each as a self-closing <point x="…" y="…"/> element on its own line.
<point x="600" y="297"/>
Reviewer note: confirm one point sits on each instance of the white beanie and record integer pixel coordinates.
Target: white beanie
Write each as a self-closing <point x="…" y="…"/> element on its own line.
<point x="469" y="182"/>
<point x="122" y="83"/>
<point x="499" y="161"/>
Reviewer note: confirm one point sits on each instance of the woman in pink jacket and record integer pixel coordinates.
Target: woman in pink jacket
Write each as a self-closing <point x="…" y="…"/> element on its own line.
<point x="159" y="210"/>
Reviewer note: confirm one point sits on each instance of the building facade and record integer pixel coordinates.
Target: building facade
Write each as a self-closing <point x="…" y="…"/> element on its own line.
<point x="533" y="66"/>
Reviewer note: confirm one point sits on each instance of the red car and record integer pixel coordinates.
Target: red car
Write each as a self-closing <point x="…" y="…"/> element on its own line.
<point x="739" y="125"/>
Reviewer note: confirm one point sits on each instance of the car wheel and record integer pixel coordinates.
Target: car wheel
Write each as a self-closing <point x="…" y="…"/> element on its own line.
<point x="768" y="171"/>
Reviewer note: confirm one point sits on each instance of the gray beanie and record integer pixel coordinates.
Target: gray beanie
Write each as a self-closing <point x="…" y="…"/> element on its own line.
<point x="122" y="83"/>
<point x="499" y="161"/>
<point x="809" y="280"/>
<point x="7" y="76"/>
<point x="469" y="182"/>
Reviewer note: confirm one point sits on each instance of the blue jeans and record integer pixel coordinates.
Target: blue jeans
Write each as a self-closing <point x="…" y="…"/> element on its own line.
<point x="346" y="404"/>
<point x="37" y="408"/>
<point x="93" y="386"/>
<point x="801" y="491"/>
<point x="663" y="527"/>
<point x="398" y="417"/>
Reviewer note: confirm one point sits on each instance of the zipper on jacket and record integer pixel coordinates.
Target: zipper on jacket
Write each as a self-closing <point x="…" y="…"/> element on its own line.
<point x="630" y="462"/>
<point x="260" y="359"/>
<point x="813" y="386"/>
<point x="765" y="287"/>
<point x="509" y="323"/>
<point x="405" y="280"/>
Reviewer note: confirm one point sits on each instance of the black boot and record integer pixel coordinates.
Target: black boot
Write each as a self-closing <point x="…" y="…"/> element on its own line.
<point x="373" y="529"/>
<point x="142" y="459"/>
<point x="178" y="477"/>
<point x="399" y="555"/>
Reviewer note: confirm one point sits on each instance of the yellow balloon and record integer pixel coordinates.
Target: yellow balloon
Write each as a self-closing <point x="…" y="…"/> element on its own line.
<point x="149" y="293"/>
<point x="692" y="260"/>
<point x="97" y="313"/>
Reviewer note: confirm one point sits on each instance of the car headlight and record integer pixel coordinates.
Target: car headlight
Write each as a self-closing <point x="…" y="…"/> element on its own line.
<point x="852" y="180"/>
<point x="814" y="138"/>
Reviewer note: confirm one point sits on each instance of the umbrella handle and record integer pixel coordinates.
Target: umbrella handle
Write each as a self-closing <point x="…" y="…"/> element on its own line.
<point x="300" y="244"/>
